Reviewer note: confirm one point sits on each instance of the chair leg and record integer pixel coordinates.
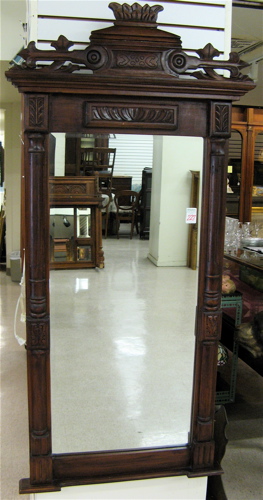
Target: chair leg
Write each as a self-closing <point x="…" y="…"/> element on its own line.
<point x="132" y="226"/>
<point x="117" y="226"/>
<point x="106" y="223"/>
<point x="137" y="223"/>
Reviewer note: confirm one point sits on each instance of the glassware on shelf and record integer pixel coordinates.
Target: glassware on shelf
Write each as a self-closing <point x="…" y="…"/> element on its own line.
<point x="233" y="235"/>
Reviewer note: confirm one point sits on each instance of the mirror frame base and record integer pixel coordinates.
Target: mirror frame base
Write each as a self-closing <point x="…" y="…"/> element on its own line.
<point x="25" y="487"/>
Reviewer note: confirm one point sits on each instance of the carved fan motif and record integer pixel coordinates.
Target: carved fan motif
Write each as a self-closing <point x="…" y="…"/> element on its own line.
<point x="135" y="12"/>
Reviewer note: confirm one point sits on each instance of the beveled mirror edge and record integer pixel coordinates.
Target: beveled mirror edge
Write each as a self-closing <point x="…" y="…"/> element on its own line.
<point x="47" y="93"/>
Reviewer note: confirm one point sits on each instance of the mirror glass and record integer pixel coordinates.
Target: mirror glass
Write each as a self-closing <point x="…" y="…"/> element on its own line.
<point x="257" y="192"/>
<point x="70" y="231"/>
<point x="234" y="179"/>
<point x="258" y="165"/>
<point x="122" y="337"/>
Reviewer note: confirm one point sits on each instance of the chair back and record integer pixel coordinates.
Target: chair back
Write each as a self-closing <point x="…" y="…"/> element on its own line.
<point x="127" y="209"/>
<point x="126" y="200"/>
<point x="100" y="162"/>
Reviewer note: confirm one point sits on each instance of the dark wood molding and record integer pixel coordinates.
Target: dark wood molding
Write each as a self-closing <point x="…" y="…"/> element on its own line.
<point x="169" y="93"/>
<point x="249" y="4"/>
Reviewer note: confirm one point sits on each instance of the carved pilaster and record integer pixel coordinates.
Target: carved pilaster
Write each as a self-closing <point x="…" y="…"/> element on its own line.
<point x="37" y="298"/>
<point x="209" y="303"/>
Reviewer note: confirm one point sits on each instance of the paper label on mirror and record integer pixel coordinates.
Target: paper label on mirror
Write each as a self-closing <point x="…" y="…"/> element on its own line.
<point x="191" y="215"/>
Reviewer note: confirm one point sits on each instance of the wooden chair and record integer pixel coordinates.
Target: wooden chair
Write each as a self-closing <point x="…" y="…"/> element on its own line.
<point x="100" y="162"/>
<point x="105" y="212"/>
<point x="127" y="209"/>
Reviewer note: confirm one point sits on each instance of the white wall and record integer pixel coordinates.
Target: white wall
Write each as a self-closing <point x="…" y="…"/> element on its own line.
<point x="13" y="15"/>
<point x="12" y="37"/>
<point x="173" y="159"/>
<point x="184" y="19"/>
<point x="12" y="176"/>
<point x="60" y="153"/>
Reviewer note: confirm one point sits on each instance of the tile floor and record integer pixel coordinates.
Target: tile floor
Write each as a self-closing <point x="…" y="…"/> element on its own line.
<point x="135" y="341"/>
<point x="123" y="348"/>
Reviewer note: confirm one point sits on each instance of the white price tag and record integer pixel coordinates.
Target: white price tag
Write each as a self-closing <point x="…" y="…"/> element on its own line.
<point x="191" y="215"/>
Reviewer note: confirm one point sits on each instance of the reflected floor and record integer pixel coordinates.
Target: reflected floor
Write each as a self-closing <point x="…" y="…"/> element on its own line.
<point x="122" y="348"/>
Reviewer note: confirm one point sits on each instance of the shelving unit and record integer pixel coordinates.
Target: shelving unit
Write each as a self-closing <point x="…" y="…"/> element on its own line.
<point x="145" y="208"/>
<point x="231" y="301"/>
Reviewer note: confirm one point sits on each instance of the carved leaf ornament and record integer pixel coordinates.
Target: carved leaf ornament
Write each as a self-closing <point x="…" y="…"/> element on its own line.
<point x="136" y="12"/>
<point x="100" y="56"/>
<point x="133" y="114"/>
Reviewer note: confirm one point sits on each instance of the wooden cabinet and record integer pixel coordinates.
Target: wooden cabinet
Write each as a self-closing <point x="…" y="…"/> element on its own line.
<point x="75" y="223"/>
<point x="248" y="280"/>
<point x="145" y="208"/>
<point x="121" y="182"/>
<point x="227" y="395"/>
<point x="248" y="122"/>
<point x="232" y="205"/>
<point x="72" y="154"/>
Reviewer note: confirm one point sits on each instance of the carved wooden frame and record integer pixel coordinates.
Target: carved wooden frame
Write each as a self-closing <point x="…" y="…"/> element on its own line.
<point x="155" y="87"/>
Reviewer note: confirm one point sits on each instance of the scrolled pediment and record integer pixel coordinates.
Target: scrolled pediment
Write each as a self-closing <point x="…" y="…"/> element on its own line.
<point x="133" y="47"/>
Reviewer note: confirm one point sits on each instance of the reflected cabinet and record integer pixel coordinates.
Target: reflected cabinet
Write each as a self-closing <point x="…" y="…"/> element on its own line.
<point x="137" y="78"/>
<point x="75" y="223"/>
<point x="245" y="169"/>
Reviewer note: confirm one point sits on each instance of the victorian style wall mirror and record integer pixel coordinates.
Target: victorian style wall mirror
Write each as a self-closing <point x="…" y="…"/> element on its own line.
<point x="135" y="78"/>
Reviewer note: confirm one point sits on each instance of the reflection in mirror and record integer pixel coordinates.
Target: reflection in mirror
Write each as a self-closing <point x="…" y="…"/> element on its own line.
<point x="234" y="178"/>
<point x="83" y="222"/>
<point x="257" y="193"/>
<point x="126" y="333"/>
<point x="67" y="227"/>
<point x="258" y="162"/>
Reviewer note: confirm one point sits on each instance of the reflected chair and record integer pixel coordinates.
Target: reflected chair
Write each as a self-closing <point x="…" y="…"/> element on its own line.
<point x="99" y="162"/>
<point x="127" y="209"/>
<point x="105" y="211"/>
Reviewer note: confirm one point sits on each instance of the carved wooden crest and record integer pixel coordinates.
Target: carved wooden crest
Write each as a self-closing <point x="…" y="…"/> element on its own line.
<point x="141" y="48"/>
